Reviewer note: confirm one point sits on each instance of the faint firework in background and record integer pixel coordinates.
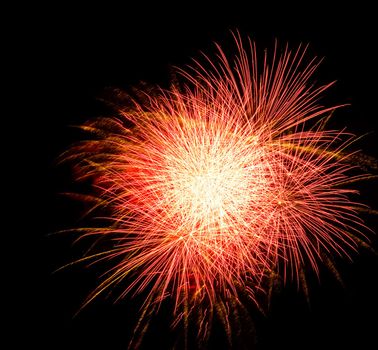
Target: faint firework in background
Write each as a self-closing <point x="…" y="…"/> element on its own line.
<point x="220" y="182"/>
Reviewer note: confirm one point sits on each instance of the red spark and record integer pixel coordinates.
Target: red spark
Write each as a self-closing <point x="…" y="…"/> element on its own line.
<point x="220" y="180"/>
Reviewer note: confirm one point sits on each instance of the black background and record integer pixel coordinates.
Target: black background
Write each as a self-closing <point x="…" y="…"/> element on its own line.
<point x="68" y="56"/>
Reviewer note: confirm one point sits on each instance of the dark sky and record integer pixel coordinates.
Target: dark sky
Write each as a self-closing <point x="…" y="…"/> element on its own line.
<point x="68" y="57"/>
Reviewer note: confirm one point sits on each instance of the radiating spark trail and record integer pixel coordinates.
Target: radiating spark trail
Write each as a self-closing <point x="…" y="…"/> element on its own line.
<point x="214" y="184"/>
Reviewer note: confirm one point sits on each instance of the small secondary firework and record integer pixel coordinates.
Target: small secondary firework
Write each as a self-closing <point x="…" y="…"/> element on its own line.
<point x="217" y="182"/>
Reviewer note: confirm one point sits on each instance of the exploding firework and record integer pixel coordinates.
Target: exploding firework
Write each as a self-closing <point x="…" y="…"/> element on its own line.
<point x="219" y="181"/>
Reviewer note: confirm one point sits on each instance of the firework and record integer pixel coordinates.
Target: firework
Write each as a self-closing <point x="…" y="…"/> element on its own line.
<point x="219" y="181"/>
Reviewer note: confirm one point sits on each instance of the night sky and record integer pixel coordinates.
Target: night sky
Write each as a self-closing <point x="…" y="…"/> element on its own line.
<point x="71" y="58"/>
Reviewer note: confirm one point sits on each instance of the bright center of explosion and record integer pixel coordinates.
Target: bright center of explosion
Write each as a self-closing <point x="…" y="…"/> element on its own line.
<point x="207" y="192"/>
<point x="212" y="190"/>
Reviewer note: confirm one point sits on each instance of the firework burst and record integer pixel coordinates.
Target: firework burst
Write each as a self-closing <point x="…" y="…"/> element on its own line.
<point x="219" y="181"/>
